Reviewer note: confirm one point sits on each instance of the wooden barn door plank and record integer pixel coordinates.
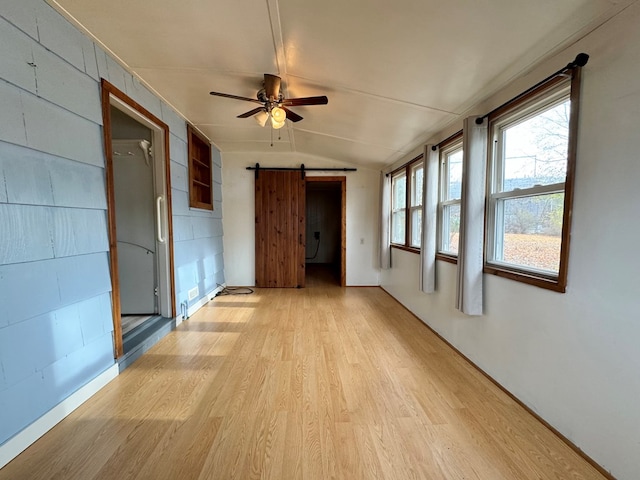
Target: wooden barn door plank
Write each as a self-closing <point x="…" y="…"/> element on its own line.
<point x="280" y="210"/>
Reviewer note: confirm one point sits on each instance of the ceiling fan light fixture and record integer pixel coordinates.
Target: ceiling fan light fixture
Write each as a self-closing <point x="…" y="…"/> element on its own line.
<point x="278" y="115"/>
<point x="261" y="118"/>
<point x="273" y="104"/>
<point x="276" y="124"/>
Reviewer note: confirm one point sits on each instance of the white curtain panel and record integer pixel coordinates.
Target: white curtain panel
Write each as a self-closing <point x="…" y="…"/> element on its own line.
<point x="429" y="219"/>
<point x="472" y="201"/>
<point x="385" y="224"/>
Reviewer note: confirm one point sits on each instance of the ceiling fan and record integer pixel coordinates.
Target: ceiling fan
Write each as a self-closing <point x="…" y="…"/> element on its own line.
<point x="273" y="104"/>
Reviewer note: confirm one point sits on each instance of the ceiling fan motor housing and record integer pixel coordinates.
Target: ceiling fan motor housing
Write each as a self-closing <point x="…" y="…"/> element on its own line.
<point x="262" y="96"/>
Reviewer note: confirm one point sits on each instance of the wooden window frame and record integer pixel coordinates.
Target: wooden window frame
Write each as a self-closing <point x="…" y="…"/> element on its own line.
<point x="531" y="276"/>
<point x="200" y="170"/>
<point x="406" y="171"/>
<point x="449" y="145"/>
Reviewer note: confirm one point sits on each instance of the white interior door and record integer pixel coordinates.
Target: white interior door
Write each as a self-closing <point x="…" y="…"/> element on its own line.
<point x="142" y="222"/>
<point x="136" y="226"/>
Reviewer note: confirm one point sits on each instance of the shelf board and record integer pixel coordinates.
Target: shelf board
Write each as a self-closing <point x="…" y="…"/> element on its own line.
<point x="203" y="184"/>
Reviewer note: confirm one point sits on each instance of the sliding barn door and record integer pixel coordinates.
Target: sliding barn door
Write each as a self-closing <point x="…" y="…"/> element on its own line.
<point x="280" y="229"/>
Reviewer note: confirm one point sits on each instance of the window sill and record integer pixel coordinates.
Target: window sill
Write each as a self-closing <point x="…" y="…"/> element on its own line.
<point x="447" y="258"/>
<point x="406" y="249"/>
<point x="526" y="277"/>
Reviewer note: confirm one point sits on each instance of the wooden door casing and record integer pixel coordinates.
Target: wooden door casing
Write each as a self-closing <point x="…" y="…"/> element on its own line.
<point x="109" y="92"/>
<point x="280" y="229"/>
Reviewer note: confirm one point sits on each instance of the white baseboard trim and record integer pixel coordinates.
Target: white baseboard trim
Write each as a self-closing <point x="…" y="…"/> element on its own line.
<point x="19" y="442"/>
<point x="200" y="303"/>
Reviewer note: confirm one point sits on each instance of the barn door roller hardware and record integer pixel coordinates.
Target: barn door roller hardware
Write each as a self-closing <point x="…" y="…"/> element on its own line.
<point x="302" y="169"/>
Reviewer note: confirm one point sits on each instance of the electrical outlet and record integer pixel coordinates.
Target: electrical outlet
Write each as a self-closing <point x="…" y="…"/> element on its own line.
<point x="316" y="235"/>
<point x="194" y="292"/>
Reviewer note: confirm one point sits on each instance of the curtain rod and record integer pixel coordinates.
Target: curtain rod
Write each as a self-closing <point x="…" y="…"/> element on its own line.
<point x="580" y="61"/>
<point x="450" y="137"/>
<point x="404" y="165"/>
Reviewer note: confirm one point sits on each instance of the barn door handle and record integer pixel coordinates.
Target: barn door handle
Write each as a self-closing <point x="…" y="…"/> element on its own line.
<point x="159" y="201"/>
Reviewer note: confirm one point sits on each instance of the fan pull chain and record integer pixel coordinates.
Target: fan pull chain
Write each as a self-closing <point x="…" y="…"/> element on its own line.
<point x="271" y="135"/>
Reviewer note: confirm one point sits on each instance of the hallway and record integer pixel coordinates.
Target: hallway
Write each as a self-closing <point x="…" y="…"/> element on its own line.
<point x="316" y="383"/>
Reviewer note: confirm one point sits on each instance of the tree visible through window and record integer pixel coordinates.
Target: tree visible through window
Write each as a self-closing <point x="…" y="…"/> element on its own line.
<point x="450" y="193"/>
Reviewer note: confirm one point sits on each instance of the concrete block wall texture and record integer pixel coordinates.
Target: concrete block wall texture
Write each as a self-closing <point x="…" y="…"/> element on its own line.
<point x="197" y="233"/>
<point x="55" y="285"/>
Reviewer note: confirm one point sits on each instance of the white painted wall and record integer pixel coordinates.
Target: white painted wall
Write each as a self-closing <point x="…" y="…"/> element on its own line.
<point x="573" y="358"/>
<point x="239" y="214"/>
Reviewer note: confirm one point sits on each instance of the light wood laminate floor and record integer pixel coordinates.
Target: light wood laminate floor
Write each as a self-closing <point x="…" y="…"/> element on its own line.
<point x="317" y="383"/>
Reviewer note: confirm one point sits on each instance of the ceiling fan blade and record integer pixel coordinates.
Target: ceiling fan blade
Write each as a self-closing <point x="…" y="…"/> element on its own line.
<point x="294" y="117"/>
<point x="235" y="97"/>
<point x="251" y="113"/>
<point x="271" y="85"/>
<point x="293" y="102"/>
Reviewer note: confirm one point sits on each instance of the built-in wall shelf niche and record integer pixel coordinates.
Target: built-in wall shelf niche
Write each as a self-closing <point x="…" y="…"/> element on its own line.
<point x="200" y="171"/>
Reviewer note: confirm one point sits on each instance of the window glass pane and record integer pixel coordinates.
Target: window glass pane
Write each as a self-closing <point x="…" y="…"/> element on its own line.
<point x="399" y="192"/>
<point x="451" y="229"/>
<point x="417" y="179"/>
<point x="416" y="226"/>
<point x="397" y="227"/>
<point x="535" y="151"/>
<point x="454" y="175"/>
<point x="531" y="231"/>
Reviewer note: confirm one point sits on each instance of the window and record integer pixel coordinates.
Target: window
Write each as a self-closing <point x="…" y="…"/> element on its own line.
<point x="530" y="180"/>
<point x="406" y="204"/>
<point x="449" y="203"/>
<point x="200" y="171"/>
<point x="415" y="209"/>
<point x="398" y="207"/>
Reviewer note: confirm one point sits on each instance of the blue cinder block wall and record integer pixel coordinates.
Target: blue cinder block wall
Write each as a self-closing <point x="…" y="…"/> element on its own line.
<point x="55" y="286"/>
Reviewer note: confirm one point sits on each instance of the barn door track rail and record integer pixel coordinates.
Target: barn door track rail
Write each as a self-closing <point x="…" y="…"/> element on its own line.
<point x="302" y="169"/>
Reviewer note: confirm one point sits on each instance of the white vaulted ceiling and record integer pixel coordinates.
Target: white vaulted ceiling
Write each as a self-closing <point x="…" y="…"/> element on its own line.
<point x="395" y="72"/>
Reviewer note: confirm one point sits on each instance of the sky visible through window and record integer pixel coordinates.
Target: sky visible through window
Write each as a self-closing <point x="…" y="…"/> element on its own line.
<point x="536" y="149"/>
<point x="455" y="175"/>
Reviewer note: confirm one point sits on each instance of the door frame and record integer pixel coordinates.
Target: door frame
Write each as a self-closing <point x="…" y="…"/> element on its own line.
<point x="112" y="96"/>
<point x="343" y="221"/>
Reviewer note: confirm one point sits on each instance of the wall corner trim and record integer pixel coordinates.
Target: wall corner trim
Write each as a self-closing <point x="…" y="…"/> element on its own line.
<point x="22" y="440"/>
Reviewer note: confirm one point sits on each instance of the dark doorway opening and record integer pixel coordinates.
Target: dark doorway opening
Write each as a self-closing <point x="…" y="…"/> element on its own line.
<point x="324" y="253"/>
